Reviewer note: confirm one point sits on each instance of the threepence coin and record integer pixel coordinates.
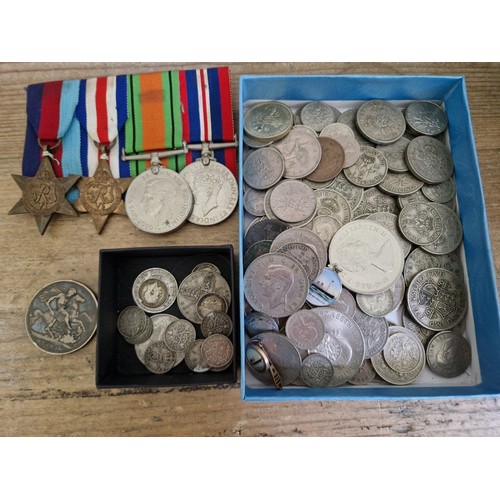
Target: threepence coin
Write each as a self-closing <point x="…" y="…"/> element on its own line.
<point x="155" y="290"/>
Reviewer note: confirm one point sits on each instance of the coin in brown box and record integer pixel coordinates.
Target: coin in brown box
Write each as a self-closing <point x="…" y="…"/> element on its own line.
<point x="179" y="334"/>
<point x="158" y="358"/>
<point x="305" y="329"/>
<point x="211" y="302"/>
<point x="217" y="351"/>
<point x="331" y="162"/>
<point x="216" y="322"/>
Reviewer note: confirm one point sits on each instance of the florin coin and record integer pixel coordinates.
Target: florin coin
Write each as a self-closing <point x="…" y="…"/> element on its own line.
<point x="305" y="329"/>
<point x="268" y="121"/>
<point x="179" y="334"/>
<point x="448" y="354"/>
<point x="347" y="189"/>
<point x="61" y="317"/>
<point x="411" y="198"/>
<point x="193" y="358"/>
<point x="332" y="203"/>
<point x="211" y="302"/>
<point x="375" y="332"/>
<point x="373" y="201"/>
<point x="369" y="170"/>
<point x="400" y="184"/>
<point x="380" y="121"/>
<point x="158" y="203"/>
<point x="154" y="290"/>
<point x="263" y="168"/>
<point x="316" y="371"/>
<point x="215" y="192"/>
<point x="420" y="223"/>
<point x="217" y="351"/>
<point x="253" y="201"/>
<point x="440" y="193"/>
<point x="158" y="358"/>
<point x="426" y="118"/>
<point x="216" y="322"/>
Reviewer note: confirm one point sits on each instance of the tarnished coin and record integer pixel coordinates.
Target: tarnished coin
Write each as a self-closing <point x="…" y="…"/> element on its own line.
<point x="403" y="351"/>
<point x="347" y="189"/>
<point x="411" y="198"/>
<point x="158" y="358"/>
<point x="268" y="121"/>
<point x="256" y="250"/>
<point x="369" y="256"/>
<point x="305" y="256"/>
<point x="155" y="290"/>
<point x="252" y="143"/>
<point x="419" y="260"/>
<point x="216" y="322"/>
<point x="448" y="354"/>
<point x="211" y="302"/>
<point x="217" y="351"/>
<point x="61" y="317"/>
<point x="395" y="154"/>
<point x="267" y="229"/>
<point x="365" y="374"/>
<point x="331" y="162"/>
<point x="206" y="266"/>
<point x="400" y="184"/>
<point x="377" y="305"/>
<point x="306" y="129"/>
<point x="325" y="226"/>
<point x="332" y="203"/>
<point x="263" y="168"/>
<point x="302" y="153"/>
<point x="253" y="201"/>
<point x="316" y="371"/>
<point x="158" y="203"/>
<point x="336" y="130"/>
<point x="380" y="121"/>
<point x="420" y="223"/>
<point x="276" y="285"/>
<point x="426" y="118"/>
<point x="179" y="334"/>
<point x="257" y="322"/>
<point x="345" y="303"/>
<point x="392" y="376"/>
<point x="437" y="299"/>
<point x="429" y="160"/>
<point x="349" y="118"/>
<point x="193" y="358"/>
<point x="305" y="329"/>
<point x="369" y="170"/>
<point x="325" y="289"/>
<point x="451" y="235"/>
<point x="375" y="332"/>
<point x="293" y="201"/>
<point x="422" y="333"/>
<point x="373" y="201"/>
<point x="342" y="344"/>
<point x="440" y="193"/>
<point x="317" y="115"/>
<point x="132" y="322"/>
<point x="390" y="221"/>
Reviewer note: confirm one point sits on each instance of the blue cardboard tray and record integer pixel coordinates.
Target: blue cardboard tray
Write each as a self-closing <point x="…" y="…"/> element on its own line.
<point x="483" y="318"/>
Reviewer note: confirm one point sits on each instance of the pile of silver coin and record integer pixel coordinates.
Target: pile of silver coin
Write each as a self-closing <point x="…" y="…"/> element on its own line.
<point x="352" y="270"/>
<point x="162" y="341"/>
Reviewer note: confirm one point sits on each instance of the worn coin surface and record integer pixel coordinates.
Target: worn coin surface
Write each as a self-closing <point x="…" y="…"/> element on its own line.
<point x="331" y="162"/>
<point x="390" y="221"/>
<point x="276" y="285"/>
<point x="305" y="329"/>
<point x="158" y="203"/>
<point x="293" y="201"/>
<point x="372" y="201"/>
<point x="392" y="376"/>
<point x="263" y="168"/>
<point x="317" y="115"/>
<point x="316" y="371"/>
<point x="380" y="121"/>
<point x="411" y="198"/>
<point x="369" y="170"/>
<point x="155" y="290"/>
<point x="325" y="226"/>
<point x="257" y="249"/>
<point x="209" y="302"/>
<point x="403" y="350"/>
<point x="253" y="201"/>
<point x="451" y="235"/>
<point x="426" y="118"/>
<point x="332" y="203"/>
<point x="179" y="334"/>
<point x="437" y="299"/>
<point x="268" y="121"/>
<point x="365" y="374"/>
<point x="216" y="322"/>
<point x="305" y="256"/>
<point x="132" y="321"/>
<point x="422" y="333"/>
<point x="336" y="130"/>
<point x="215" y="192"/>
<point x="206" y="266"/>
<point x="158" y="358"/>
<point x="345" y="303"/>
<point x="375" y="332"/>
<point x="369" y="256"/>
<point x="217" y="351"/>
<point x="400" y="184"/>
<point x="420" y="223"/>
<point x="257" y="322"/>
<point x="193" y="358"/>
<point x="347" y="189"/>
<point x="448" y="354"/>
<point x="440" y="193"/>
<point x="419" y="260"/>
<point x="395" y="155"/>
<point x="267" y="229"/>
<point x="61" y="317"/>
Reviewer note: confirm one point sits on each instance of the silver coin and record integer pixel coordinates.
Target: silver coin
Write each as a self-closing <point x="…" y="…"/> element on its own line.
<point x="422" y="333"/>
<point x="325" y="226"/>
<point x="305" y="256"/>
<point x="381" y="304"/>
<point x="336" y="130"/>
<point x="276" y="285"/>
<point x="252" y="143"/>
<point x="194" y="286"/>
<point x="211" y="302"/>
<point x="317" y="115"/>
<point x="451" y="235"/>
<point x="193" y="358"/>
<point x="345" y="303"/>
<point x="375" y="332"/>
<point x="380" y="121"/>
<point x="403" y="351"/>
<point x="395" y="154"/>
<point x="293" y="201"/>
<point x="347" y="189"/>
<point x="215" y="192"/>
<point x="369" y="170"/>
<point x="317" y="185"/>
<point x="440" y="193"/>
<point x="268" y="121"/>
<point x="155" y="290"/>
<point x="217" y="351"/>
<point x="263" y="168"/>
<point x="349" y="118"/>
<point x="216" y="322"/>
<point x="390" y="221"/>
<point x="257" y="322"/>
<point x="302" y="153"/>
<point x="374" y="201"/>
<point x="369" y="256"/>
<point x="179" y="334"/>
<point x="61" y="317"/>
<point x="306" y="129"/>
<point x="325" y="289"/>
<point x="305" y="329"/>
<point x="332" y="203"/>
<point x="400" y="184"/>
<point x="206" y="266"/>
<point x="302" y="235"/>
<point x="429" y="160"/>
<point x="158" y="203"/>
<point x="411" y="198"/>
<point x="448" y="354"/>
<point x="158" y="358"/>
<point x="316" y="371"/>
<point x="426" y="118"/>
<point x="253" y="202"/>
<point x="437" y="299"/>
<point x="365" y="374"/>
<point x="420" y="223"/>
<point x="392" y="376"/>
<point x="132" y="321"/>
<point x="342" y="344"/>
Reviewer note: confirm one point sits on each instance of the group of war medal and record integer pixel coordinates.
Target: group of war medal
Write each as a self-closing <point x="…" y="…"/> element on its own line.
<point x="352" y="272"/>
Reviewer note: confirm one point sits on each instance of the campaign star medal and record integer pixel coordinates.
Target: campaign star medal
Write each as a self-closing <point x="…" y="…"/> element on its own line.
<point x="102" y="194"/>
<point x="44" y="194"/>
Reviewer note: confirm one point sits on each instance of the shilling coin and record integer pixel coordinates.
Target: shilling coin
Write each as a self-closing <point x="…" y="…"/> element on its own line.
<point x="179" y="334"/>
<point x="216" y="322"/>
<point x="257" y="322"/>
<point x="332" y="203"/>
<point x="440" y="193"/>
<point x="263" y="168"/>
<point x="331" y="162"/>
<point x="61" y="317"/>
<point x="317" y="115"/>
<point x="342" y="344"/>
<point x="380" y="121"/>
<point x="194" y="286"/>
<point x="267" y="229"/>
<point x="373" y="201"/>
<point x="154" y="290"/>
<point x="253" y="201"/>
<point x="325" y="289"/>
<point x="426" y="118"/>
<point x="293" y="201"/>
<point x="369" y="170"/>
<point x="256" y="250"/>
<point x="345" y="303"/>
<point x="395" y="154"/>
<point x="403" y="351"/>
<point x="390" y="221"/>
<point x="206" y="266"/>
<point x="215" y="192"/>
<point x="429" y="160"/>
<point x="420" y="223"/>
<point x="276" y="285"/>
<point x="451" y="235"/>
<point x="302" y="153"/>
<point x="305" y="329"/>
<point x="158" y="203"/>
<point x="158" y="358"/>
<point x="316" y="371"/>
<point x="268" y="121"/>
<point x="217" y="351"/>
<point x="448" y="354"/>
<point x="325" y="226"/>
<point x="369" y="256"/>
<point x="400" y="184"/>
<point x="437" y="299"/>
<point x="375" y="332"/>
<point x="365" y="374"/>
<point x="347" y="189"/>
<point x="194" y="360"/>
<point x="210" y="302"/>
